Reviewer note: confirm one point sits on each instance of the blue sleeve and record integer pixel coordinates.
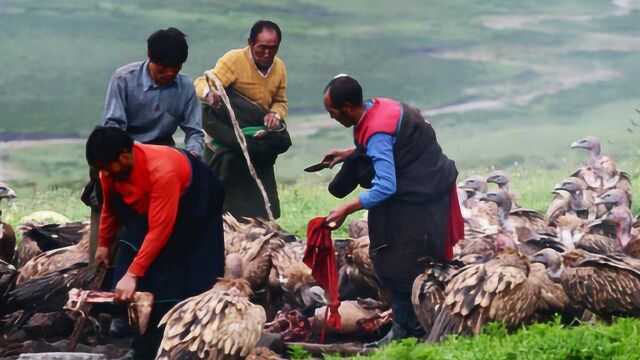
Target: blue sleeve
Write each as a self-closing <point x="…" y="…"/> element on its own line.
<point x="380" y="150"/>
<point x="192" y="123"/>
<point x="114" y="105"/>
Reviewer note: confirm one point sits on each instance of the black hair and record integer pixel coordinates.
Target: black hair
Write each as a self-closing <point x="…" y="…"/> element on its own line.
<point x="344" y="89"/>
<point x="105" y="144"/>
<point x="168" y="47"/>
<point x="260" y="25"/>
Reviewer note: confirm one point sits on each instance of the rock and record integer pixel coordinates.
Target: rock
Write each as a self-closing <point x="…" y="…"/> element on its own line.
<point x="62" y="356"/>
<point x="48" y="325"/>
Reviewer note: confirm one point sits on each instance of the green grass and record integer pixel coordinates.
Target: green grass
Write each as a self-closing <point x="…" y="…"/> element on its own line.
<point x="539" y="341"/>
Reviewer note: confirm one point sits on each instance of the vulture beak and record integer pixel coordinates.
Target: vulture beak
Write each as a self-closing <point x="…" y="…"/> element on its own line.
<point x="560" y="187"/>
<point x="538" y="258"/>
<point x="599" y="201"/>
<point x="577" y="145"/>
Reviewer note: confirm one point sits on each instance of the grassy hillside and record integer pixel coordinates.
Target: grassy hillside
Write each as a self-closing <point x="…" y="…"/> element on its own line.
<point x="503" y="82"/>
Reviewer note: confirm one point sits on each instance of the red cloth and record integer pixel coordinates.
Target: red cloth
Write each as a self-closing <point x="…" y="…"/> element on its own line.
<point x="381" y="117"/>
<point x="320" y="257"/>
<point x="455" y="225"/>
<point x="160" y="175"/>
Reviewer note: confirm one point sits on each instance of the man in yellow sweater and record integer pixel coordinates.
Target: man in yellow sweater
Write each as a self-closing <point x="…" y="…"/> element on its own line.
<point x="256" y="82"/>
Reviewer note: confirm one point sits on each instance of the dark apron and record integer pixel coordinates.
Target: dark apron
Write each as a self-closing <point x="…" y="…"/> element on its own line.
<point x="193" y="258"/>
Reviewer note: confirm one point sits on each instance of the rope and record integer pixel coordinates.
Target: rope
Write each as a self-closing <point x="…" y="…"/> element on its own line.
<point x="209" y="75"/>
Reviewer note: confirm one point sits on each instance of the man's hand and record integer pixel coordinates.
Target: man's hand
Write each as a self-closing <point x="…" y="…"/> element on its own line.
<point x="102" y="256"/>
<point x="337" y="216"/>
<point x="272" y="121"/>
<point x="335" y="157"/>
<point x="213" y="100"/>
<point x="126" y="288"/>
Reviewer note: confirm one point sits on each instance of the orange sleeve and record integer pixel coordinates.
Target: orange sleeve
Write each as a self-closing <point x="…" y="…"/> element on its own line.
<point x="108" y="222"/>
<point x="163" y="210"/>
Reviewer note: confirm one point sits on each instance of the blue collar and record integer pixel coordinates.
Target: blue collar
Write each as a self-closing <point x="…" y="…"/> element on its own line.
<point x="149" y="84"/>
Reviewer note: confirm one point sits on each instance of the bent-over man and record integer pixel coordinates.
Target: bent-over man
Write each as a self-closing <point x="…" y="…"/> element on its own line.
<point x="170" y="204"/>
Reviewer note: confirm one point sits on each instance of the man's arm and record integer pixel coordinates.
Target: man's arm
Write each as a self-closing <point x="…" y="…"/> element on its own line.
<point x="108" y="221"/>
<point x="279" y="103"/>
<point x="114" y="113"/>
<point x="380" y="150"/>
<point x="163" y="210"/>
<point x="192" y="124"/>
<point x="225" y="70"/>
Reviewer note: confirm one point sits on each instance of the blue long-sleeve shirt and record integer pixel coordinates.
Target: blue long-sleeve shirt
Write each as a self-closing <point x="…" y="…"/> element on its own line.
<point x="380" y="150"/>
<point x="149" y="112"/>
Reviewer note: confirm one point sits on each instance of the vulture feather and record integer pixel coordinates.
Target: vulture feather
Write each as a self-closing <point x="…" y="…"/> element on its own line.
<point x="218" y="324"/>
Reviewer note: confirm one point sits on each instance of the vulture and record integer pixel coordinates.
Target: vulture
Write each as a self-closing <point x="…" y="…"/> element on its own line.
<point x="601" y="173"/>
<point x="614" y="179"/>
<point x="218" y="324"/>
<point x="7" y="241"/>
<point x="356" y="277"/>
<point x="606" y="285"/>
<point x="582" y="200"/>
<point x="358" y="228"/>
<point x="621" y="216"/>
<point x="53" y="260"/>
<point x="38" y="237"/>
<point x="501" y="179"/>
<point x="590" y="172"/>
<point x="559" y="206"/>
<point x="47" y="293"/>
<point x="8" y="274"/>
<point x="427" y="294"/>
<point x="6" y="192"/>
<point x="500" y="290"/>
<point x="510" y="220"/>
<point x="476" y="186"/>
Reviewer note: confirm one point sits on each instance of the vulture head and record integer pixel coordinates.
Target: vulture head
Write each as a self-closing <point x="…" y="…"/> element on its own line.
<point x="476" y="183"/>
<point x="500" y="198"/>
<point x="590" y="143"/>
<point x="499" y="177"/>
<point x="614" y="197"/>
<point x="6" y="192"/>
<point x="572" y="185"/>
<point x="552" y="260"/>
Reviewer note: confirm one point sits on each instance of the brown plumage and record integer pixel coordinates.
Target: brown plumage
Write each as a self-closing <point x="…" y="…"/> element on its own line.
<point x="603" y="284"/>
<point x="218" y="324"/>
<point x="53" y="260"/>
<point x="497" y="291"/>
<point x="8" y="275"/>
<point x="38" y="237"/>
<point x="47" y="293"/>
<point x="358" y="228"/>
<point x="7" y="241"/>
<point x="263" y="353"/>
<point x="582" y="199"/>
<point x="428" y="292"/>
<point x="559" y="206"/>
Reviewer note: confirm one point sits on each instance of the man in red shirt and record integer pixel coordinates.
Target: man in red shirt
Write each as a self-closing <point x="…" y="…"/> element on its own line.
<point x="170" y="204"/>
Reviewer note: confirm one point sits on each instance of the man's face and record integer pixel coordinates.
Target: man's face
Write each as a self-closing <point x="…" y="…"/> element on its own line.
<point x="340" y="115"/>
<point x="265" y="48"/>
<point x="163" y="75"/>
<point x="119" y="169"/>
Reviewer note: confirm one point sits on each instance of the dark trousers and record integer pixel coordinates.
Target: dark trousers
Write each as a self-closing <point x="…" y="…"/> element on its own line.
<point x="192" y="259"/>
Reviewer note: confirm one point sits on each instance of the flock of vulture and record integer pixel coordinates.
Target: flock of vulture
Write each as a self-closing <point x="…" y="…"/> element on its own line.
<point x="515" y="266"/>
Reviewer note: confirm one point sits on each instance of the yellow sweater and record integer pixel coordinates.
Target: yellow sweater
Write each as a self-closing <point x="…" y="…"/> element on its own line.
<point x="236" y="68"/>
